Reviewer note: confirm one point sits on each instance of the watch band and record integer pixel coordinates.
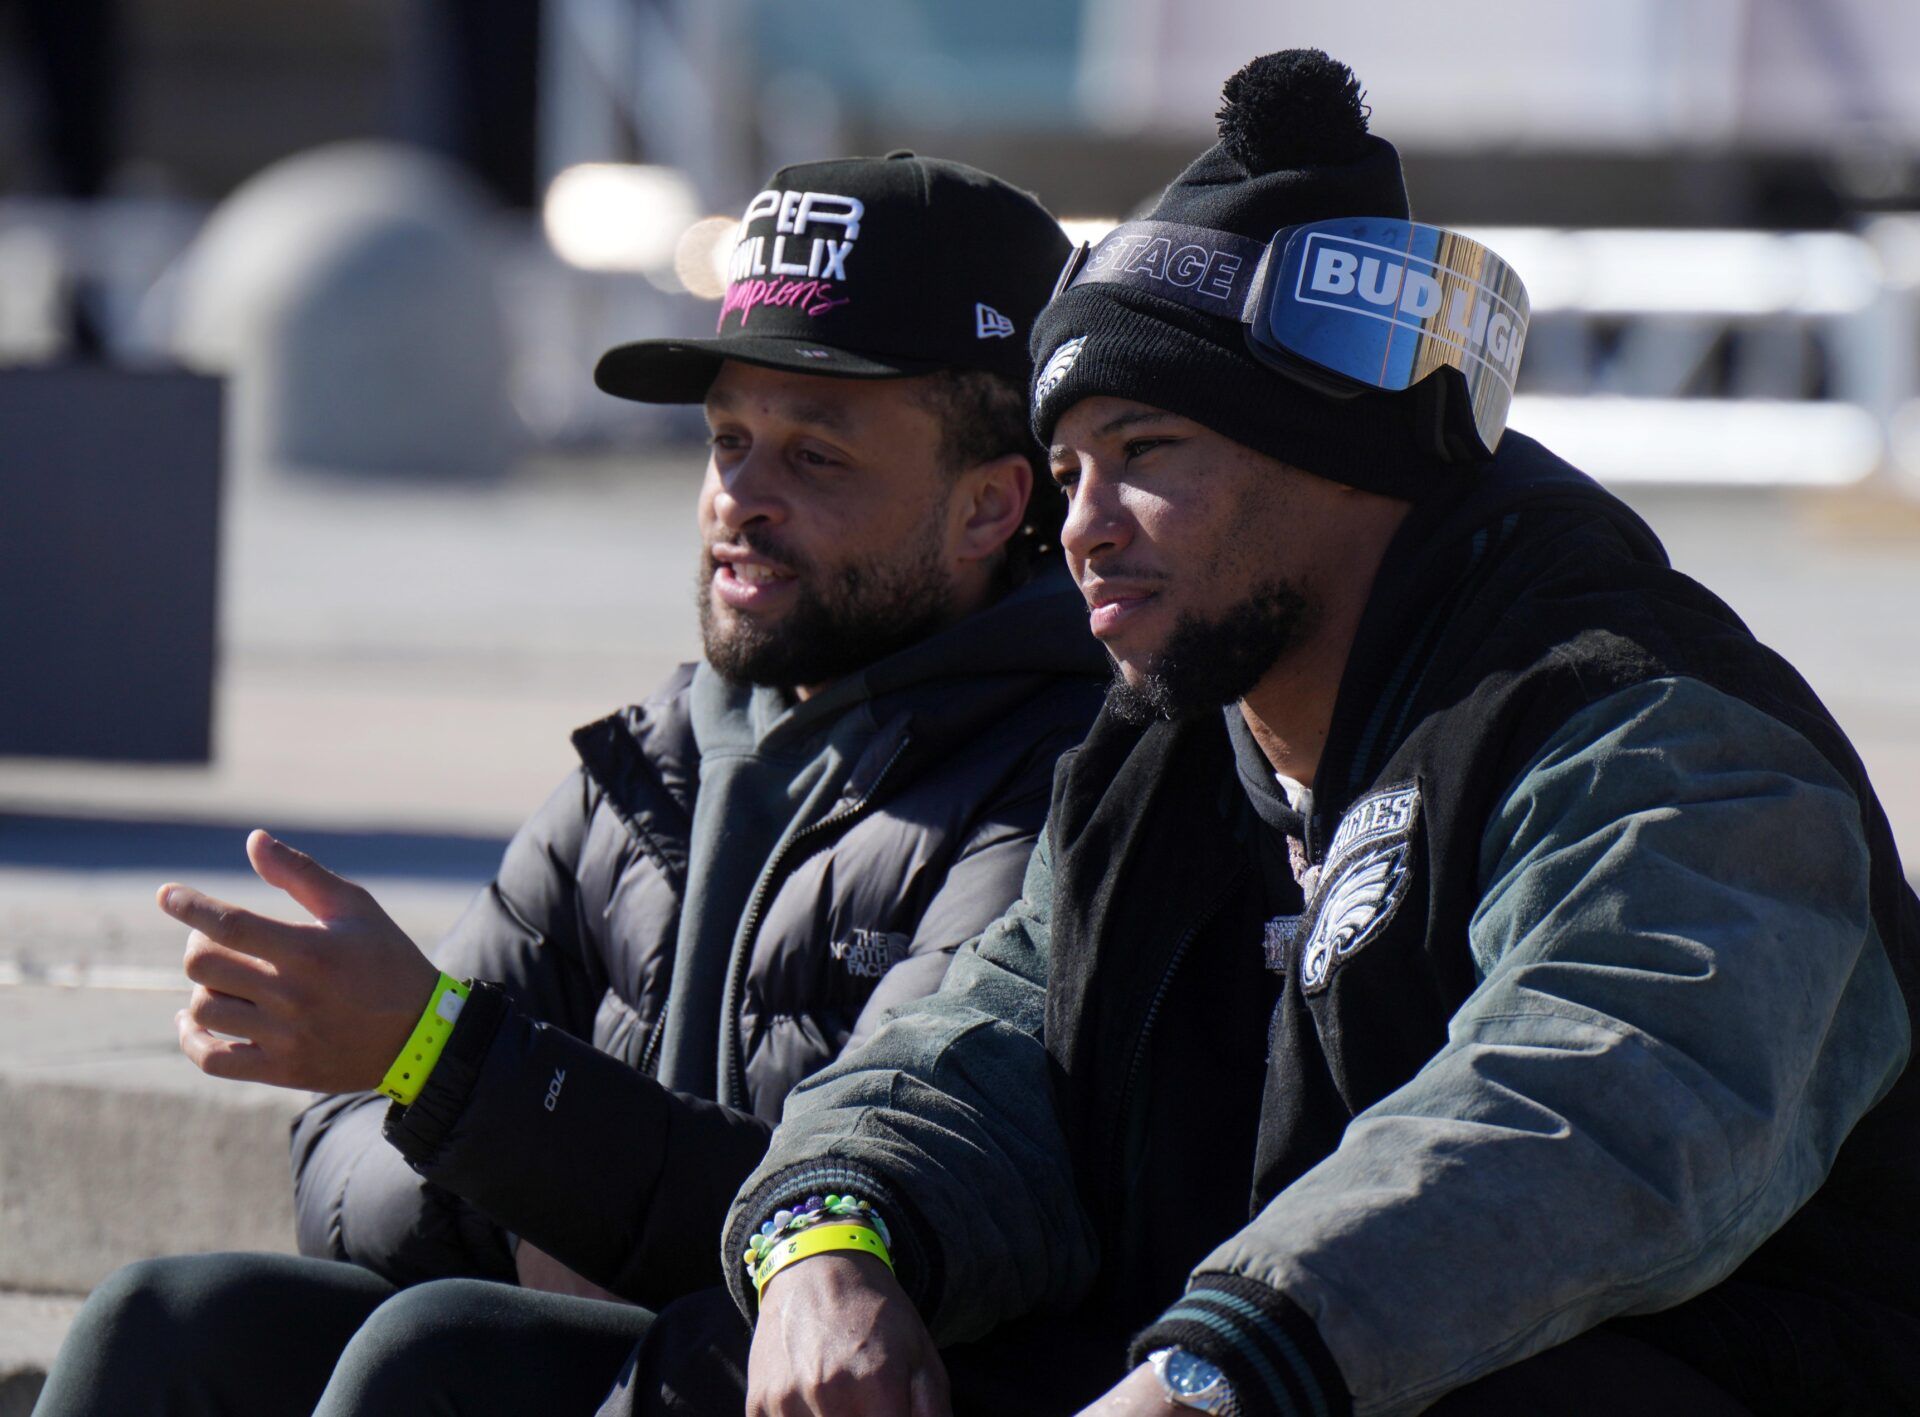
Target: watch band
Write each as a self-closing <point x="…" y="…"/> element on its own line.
<point x="1188" y="1380"/>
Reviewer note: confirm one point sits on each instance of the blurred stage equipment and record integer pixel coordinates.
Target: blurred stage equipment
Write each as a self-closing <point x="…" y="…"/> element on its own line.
<point x="109" y="528"/>
<point x="350" y="293"/>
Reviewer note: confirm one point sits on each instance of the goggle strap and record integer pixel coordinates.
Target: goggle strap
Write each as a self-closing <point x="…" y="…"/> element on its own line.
<point x="1215" y="272"/>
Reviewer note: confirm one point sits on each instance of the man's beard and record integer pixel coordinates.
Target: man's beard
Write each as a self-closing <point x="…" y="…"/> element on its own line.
<point x="840" y="621"/>
<point x="1208" y="663"/>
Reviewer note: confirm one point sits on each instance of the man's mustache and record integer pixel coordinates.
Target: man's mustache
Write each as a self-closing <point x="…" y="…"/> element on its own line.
<point x="762" y="545"/>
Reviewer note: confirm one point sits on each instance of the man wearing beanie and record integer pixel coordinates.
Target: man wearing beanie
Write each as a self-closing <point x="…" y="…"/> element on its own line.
<point x="742" y="875"/>
<point x="1462" y="970"/>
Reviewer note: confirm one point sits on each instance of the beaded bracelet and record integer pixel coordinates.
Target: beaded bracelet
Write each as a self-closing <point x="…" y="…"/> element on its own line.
<point x="815" y="1210"/>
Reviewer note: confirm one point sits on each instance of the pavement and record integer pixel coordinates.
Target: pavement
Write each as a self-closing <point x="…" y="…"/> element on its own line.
<point x="400" y="669"/>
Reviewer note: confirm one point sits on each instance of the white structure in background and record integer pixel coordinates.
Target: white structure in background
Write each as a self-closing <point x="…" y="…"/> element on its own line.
<point x="1628" y="75"/>
<point x="1806" y="359"/>
<point x="350" y="294"/>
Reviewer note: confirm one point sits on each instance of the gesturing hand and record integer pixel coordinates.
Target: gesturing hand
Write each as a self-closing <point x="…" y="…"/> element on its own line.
<point x="324" y="1006"/>
<point x="838" y="1337"/>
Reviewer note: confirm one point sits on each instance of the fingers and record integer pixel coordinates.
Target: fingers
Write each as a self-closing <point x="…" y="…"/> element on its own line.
<point x="319" y="892"/>
<point x="229" y="971"/>
<point x="220" y="1057"/>
<point x="223" y="923"/>
<point x="224" y="1013"/>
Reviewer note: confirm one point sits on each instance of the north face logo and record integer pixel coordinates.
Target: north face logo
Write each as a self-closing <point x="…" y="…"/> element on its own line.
<point x="868" y="954"/>
<point x="989" y="323"/>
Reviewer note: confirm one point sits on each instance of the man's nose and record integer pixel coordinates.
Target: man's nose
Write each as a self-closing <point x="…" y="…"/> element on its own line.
<point x="1096" y="520"/>
<point x="747" y="492"/>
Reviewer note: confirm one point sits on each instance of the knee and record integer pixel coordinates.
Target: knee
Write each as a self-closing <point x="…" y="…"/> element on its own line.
<point x="180" y="1293"/>
<point x="413" y="1346"/>
<point x="159" y="1312"/>
<point x="440" y="1315"/>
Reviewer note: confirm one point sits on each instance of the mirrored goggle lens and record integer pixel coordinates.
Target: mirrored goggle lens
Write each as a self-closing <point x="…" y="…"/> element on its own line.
<point x="1388" y="304"/>
<point x="1377" y="303"/>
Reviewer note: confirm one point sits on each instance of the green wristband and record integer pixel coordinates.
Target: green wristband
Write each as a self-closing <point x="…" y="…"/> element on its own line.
<point x="410" y="1070"/>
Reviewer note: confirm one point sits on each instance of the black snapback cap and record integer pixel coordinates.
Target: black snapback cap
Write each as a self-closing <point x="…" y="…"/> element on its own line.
<point x="867" y="268"/>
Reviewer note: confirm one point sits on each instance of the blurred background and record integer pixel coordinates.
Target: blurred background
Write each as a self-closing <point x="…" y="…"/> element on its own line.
<point x="311" y="518"/>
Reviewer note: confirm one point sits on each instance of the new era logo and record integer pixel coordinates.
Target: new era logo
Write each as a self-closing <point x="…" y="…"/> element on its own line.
<point x="989" y="323"/>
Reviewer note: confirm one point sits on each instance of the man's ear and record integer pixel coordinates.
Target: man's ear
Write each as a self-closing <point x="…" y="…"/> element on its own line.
<point x="990" y="503"/>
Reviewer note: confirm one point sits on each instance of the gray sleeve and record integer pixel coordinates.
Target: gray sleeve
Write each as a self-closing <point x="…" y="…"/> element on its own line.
<point x="1684" y="1008"/>
<point x="949" y="1102"/>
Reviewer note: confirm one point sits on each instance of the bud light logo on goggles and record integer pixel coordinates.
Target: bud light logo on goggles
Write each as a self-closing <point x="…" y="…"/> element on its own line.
<point x="1345" y="306"/>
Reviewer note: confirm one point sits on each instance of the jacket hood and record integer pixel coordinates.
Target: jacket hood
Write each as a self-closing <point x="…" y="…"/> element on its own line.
<point x="1442" y="550"/>
<point x="1523" y="475"/>
<point x="949" y="681"/>
<point x="1036" y="628"/>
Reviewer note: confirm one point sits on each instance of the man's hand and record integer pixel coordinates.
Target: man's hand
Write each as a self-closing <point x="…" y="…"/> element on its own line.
<point x="1139" y="1394"/>
<point x="837" y="1337"/>
<point x="325" y="1006"/>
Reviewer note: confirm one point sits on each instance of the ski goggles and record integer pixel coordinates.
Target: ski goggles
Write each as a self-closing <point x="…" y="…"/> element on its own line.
<point x="1347" y="306"/>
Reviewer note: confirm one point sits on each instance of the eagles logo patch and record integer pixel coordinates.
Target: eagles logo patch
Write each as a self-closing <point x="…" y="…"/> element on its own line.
<point x="1058" y="367"/>
<point x="1363" y="881"/>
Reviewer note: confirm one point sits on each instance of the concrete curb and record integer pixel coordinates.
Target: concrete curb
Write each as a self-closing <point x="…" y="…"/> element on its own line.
<point x="31" y="1330"/>
<point x="114" y="1148"/>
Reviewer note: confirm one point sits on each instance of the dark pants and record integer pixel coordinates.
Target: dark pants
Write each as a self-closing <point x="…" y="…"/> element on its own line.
<point x="694" y="1361"/>
<point x="263" y="1335"/>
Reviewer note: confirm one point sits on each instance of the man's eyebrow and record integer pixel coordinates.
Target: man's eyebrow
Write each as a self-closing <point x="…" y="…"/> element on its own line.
<point x="829" y="417"/>
<point x="1115" y="424"/>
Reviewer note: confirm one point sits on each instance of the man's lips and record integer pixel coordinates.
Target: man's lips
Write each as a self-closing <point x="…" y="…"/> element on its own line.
<point x="1110" y="605"/>
<point x="745" y="581"/>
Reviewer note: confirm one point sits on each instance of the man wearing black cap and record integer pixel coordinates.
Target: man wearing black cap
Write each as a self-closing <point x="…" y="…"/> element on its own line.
<point x="745" y="872"/>
<point x="1462" y="969"/>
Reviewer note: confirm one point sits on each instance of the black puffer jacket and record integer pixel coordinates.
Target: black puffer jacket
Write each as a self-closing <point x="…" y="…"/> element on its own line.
<point x="916" y="792"/>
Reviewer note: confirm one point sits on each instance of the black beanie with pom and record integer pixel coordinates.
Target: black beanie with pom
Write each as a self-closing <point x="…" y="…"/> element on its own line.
<point x="1294" y="147"/>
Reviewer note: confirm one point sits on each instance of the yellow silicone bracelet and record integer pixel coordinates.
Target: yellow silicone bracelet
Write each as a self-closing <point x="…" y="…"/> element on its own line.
<point x="409" y="1071"/>
<point x="818" y="1241"/>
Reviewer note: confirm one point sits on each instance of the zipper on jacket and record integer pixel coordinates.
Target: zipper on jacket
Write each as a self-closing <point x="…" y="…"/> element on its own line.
<point x="650" y="1053"/>
<point x="1139" y="1057"/>
<point x="734" y="1091"/>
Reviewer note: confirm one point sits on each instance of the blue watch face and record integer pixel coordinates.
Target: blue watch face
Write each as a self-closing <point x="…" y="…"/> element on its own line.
<point x="1189" y="1375"/>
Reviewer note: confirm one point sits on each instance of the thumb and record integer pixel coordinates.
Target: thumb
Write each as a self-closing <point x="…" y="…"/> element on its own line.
<point x="317" y="890"/>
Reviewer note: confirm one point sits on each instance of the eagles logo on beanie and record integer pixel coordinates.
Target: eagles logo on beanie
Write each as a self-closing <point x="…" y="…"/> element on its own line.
<point x="1294" y="148"/>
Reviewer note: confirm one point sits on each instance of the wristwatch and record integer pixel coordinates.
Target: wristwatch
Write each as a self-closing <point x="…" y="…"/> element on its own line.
<point x="1191" y="1381"/>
